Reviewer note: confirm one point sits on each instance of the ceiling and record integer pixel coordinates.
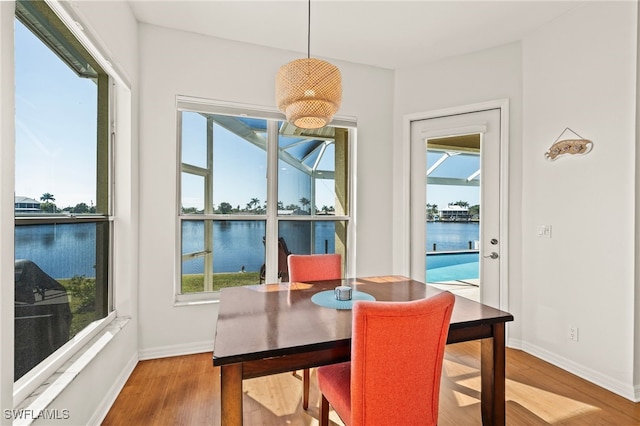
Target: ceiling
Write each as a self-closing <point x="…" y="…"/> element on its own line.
<point x="387" y="34"/>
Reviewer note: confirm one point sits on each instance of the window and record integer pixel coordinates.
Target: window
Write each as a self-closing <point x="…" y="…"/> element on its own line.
<point x="62" y="172"/>
<point x="231" y="160"/>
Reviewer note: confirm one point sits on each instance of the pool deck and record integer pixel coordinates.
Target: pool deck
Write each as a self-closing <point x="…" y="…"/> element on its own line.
<point x="469" y="288"/>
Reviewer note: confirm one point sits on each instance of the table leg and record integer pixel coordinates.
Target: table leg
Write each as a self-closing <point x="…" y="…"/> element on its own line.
<point x="305" y="389"/>
<point x="324" y="411"/>
<point x="231" y="394"/>
<point x="492" y="370"/>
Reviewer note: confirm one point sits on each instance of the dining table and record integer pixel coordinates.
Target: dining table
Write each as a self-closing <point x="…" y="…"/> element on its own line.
<point x="266" y="329"/>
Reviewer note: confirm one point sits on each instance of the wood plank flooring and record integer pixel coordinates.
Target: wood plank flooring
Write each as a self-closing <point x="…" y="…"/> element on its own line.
<point x="186" y="391"/>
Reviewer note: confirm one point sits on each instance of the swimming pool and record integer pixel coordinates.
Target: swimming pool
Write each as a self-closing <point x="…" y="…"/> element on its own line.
<point x="452" y="266"/>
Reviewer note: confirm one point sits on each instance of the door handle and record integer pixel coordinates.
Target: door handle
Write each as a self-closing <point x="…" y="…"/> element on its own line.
<point x="493" y="255"/>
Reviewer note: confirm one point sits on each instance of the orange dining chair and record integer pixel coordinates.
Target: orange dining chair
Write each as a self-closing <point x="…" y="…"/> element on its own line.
<point x="313" y="267"/>
<point x="393" y="378"/>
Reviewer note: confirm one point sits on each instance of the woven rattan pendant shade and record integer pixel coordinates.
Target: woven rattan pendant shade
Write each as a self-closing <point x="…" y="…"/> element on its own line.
<point x="309" y="92"/>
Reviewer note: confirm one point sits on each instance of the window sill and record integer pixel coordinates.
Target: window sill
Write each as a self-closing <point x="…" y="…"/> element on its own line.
<point x="195" y="299"/>
<point x="41" y="398"/>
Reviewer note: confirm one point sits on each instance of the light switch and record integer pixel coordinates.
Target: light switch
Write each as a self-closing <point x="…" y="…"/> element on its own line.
<point x="544" y="231"/>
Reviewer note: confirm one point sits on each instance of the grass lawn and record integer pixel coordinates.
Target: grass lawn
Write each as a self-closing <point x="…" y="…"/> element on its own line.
<point x="81" y="317"/>
<point x="195" y="283"/>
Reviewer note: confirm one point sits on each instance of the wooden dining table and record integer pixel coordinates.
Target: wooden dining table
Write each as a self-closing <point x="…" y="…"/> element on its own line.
<point x="274" y="328"/>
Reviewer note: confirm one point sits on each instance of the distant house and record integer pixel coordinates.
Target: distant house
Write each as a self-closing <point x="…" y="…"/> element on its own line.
<point x="454" y="214"/>
<point x="26" y="204"/>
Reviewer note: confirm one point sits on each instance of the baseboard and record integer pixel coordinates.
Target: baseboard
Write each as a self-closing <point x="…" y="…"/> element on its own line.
<point x="514" y="343"/>
<point x="586" y="373"/>
<point x="108" y="400"/>
<point x="176" y="350"/>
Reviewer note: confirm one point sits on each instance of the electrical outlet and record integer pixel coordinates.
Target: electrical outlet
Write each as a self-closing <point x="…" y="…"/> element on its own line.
<point x="573" y="333"/>
<point x="544" y="231"/>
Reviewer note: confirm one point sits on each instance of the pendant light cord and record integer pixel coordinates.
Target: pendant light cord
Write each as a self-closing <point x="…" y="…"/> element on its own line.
<point x="309" y="31"/>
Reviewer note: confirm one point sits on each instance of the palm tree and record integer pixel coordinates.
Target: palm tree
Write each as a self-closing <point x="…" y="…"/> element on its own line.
<point x="304" y="201"/>
<point x="255" y="202"/>
<point x="460" y="203"/>
<point x="47" y="197"/>
<point x="432" y="210"/>
<point x="48" y="203"/>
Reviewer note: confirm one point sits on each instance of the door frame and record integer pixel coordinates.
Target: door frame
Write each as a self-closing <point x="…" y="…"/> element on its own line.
<point x="403" y="246"/>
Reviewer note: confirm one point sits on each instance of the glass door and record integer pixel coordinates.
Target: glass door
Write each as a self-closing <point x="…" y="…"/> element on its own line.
<point x="455" y="203"/>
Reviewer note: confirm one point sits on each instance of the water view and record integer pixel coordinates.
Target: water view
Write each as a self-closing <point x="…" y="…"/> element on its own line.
<point x="62" y="250"/>
<point x="236" y="244"/>
<point x="451" y="236"/>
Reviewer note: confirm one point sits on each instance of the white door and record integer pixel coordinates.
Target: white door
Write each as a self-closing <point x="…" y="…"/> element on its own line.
<point x="485" y="125"/>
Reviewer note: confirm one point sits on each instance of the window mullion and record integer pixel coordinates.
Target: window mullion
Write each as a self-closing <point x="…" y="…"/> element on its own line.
<point x="271" y="240"/>
<point x="208" y="209"/>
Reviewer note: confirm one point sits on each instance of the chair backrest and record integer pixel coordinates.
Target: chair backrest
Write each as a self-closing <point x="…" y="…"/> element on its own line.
<point x="397" y="351"/>
<point x="314" y="267"/>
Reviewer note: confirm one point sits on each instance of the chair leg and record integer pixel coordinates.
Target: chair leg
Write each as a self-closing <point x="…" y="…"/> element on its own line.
<point x="324" y="412"/>
<point x="305" y="388"/>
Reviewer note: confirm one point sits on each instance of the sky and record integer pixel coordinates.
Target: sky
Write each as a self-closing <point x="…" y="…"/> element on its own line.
<point x="56" y="144"/>
<point x="443" y="195"/>
<point x="459" y="166"/>
<point x="240" y="162"/>
<point x="245" y="165"/>
<point x="55" y="126"/>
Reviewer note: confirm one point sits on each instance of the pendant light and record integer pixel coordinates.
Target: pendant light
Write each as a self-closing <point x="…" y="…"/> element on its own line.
<point x="309" y="90"/>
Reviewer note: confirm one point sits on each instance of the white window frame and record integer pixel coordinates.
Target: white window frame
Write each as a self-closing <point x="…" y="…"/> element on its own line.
<point x="119" y="106"/>
<point x="194" y="104"/>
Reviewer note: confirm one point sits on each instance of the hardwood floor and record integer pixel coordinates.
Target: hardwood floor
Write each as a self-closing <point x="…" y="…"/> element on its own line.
<point x="185" y="391"/>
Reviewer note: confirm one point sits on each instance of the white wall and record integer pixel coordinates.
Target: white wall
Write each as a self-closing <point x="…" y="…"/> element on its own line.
<point x="91" y="392"/>
<point x="580" y="72"/>
<point x="180" y="63"/>
<point x="478" y="77"/>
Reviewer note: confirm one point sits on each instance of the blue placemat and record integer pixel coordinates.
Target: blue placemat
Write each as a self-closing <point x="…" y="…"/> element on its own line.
<point x="328" y="299"/>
